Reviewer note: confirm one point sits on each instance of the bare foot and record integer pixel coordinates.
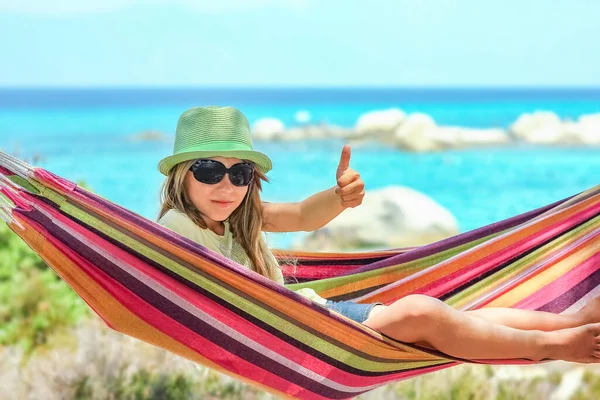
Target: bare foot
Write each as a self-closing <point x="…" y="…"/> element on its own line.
<point x="581" y="344"/>
<point x="590" y="313"/>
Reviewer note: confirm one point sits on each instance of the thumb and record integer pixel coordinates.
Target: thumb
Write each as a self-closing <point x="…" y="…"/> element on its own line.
<point x="344" y="161"/>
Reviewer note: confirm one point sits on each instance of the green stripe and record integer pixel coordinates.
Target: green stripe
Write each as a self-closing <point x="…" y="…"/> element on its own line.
<point x="24" y="183"/>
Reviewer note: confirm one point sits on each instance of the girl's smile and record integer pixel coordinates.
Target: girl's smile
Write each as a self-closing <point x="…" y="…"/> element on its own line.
<point x="222" y="203"/>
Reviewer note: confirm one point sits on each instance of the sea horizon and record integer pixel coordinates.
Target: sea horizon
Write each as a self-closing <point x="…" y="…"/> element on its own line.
<point x="31" y="96"/>
<point x="90" y="134"/>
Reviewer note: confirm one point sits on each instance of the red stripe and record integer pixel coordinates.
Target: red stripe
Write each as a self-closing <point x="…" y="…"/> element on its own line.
<point x="316" y="271"/>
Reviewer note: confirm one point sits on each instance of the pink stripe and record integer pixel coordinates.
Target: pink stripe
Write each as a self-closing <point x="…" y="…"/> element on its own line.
<point x="17" y="198"/>
<point x="316" y="272"/>
<point x="560" y="286"/>
<point x="53" y="180"/>
<point x="414" y="373"/>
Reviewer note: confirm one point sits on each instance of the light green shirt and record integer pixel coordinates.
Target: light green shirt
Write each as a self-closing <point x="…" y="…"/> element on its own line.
<point x="226" y="245"/>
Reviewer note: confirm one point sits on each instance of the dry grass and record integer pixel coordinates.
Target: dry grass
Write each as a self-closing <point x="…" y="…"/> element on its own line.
<point x="93" y="362"/>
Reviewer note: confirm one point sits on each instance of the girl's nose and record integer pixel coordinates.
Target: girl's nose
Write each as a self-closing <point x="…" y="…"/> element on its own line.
<point x="225" y="184"/>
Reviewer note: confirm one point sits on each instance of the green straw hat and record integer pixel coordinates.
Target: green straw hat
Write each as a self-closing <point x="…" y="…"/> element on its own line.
<point x="213" y="131"/>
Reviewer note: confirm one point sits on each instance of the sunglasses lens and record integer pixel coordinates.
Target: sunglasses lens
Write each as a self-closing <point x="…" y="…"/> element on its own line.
<point x="241" y="174"/>
<point x="209" y="172"/>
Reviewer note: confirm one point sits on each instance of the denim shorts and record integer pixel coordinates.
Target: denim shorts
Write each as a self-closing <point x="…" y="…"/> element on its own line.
<point x="349" y="309"/>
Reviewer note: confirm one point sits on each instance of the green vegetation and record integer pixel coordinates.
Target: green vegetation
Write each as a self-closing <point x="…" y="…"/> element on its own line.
<point x="34" y="302"/>
<point x="142" y="385"/>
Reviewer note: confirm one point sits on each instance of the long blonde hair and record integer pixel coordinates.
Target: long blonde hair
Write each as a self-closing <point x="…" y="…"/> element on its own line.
<point x="245" y="222"/>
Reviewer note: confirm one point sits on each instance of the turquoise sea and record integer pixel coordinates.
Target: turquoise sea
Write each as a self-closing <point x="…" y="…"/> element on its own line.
<point x="89" y="135"/>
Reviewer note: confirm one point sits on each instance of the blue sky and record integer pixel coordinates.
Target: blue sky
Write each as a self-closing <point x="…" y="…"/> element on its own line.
<point x="300" y="43"/>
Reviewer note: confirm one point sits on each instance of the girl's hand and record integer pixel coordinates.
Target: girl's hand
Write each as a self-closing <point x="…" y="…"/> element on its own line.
<point x="350" y="187"/>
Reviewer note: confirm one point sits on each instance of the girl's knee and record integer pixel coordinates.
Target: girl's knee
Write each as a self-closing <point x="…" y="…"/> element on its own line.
<point x="419" y="306"/>
<point x="416" y="312"/>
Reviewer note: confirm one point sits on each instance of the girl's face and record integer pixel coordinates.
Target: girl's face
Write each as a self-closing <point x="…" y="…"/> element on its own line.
<point x="215" y="202"/>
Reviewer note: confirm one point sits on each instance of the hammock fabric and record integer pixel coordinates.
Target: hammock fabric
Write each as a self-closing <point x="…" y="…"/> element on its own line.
<point x="152" y="284"/>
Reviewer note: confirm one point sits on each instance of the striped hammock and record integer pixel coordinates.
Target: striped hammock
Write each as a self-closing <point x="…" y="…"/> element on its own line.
<point x="152" y="284"/>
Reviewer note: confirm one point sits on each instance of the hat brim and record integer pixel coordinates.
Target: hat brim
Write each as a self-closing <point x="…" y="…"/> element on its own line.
<point x="259" y="159"/>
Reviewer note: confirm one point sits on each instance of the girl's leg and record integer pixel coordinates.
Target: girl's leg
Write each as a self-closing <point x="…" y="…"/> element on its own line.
<point x="417" y="318"/>
<point x="531" y="320"/>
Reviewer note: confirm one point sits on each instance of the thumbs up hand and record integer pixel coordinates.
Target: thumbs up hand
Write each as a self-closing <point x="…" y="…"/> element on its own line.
<point x="350" y="187"/>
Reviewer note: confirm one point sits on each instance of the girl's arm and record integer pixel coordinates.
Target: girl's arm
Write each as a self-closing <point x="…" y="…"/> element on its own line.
<point x="320" y="208"/>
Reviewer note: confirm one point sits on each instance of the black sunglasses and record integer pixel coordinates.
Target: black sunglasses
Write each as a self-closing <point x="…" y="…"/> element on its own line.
<point x="212" y="172"/>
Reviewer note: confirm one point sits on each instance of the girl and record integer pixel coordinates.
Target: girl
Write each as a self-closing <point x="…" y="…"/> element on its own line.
<point x="211" y="195"/>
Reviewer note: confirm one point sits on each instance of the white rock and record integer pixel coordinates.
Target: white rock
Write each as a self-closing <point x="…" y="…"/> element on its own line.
<point x="313" y="132"/>
<point x="590" y="129"/>
<point x="417" y="133"/>
<point x="540" y="127"/>
<point x="571" y="132"/>
<point x="293" y="134"/>
<point x="391" y="217"/>
<point x="267" y="129"/>
<point x="466" y="137"/>
<point x="381" y="122"/>
<point x="302" y="117"/>
<point x="547" y="128"/>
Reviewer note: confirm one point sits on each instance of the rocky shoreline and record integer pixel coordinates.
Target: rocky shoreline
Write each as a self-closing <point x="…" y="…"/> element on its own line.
<point x="419" y="132"/>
